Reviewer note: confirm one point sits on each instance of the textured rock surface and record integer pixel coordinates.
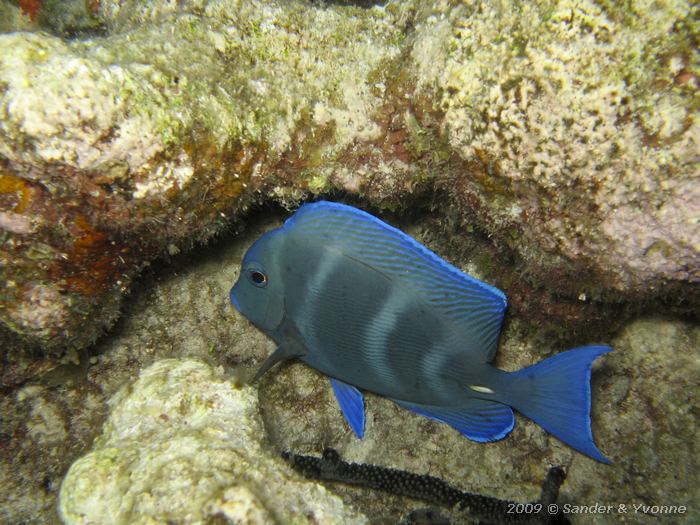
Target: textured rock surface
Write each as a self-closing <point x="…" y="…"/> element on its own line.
<point x="113" y="150"/>
<point x="12" y="19"/>
<point x="183" y="444"/>
<point x="568" y="131"/>
<point x="645" y="411"/>
<point x="578" y="124"/>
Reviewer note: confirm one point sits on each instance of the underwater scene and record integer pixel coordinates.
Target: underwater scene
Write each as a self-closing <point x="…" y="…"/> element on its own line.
<point x="428" y="262"/>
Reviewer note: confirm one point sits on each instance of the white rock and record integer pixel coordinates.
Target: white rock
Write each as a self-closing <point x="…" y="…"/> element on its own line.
<point x="182" y="444"/>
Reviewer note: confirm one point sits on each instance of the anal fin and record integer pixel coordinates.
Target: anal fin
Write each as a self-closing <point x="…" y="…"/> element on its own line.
<point x="352" y="404"/>
<point x="477" y="419"/>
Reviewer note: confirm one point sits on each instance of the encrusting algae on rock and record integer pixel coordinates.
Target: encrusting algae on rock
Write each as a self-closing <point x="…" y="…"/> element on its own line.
<point x="185" y="444"/>
<point x="134" y="143"/>
<point x="579" y="134"/>
<point x="568" y="132"/>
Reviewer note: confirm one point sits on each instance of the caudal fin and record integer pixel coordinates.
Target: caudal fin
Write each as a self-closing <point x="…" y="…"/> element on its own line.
<point x="556" y="394"/>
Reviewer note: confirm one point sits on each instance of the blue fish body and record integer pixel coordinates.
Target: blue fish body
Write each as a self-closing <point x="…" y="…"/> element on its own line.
<point x="370" y="307"/>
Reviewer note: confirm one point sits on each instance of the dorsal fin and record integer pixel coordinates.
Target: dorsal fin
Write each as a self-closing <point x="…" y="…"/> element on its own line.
<point x="476" y="307"/>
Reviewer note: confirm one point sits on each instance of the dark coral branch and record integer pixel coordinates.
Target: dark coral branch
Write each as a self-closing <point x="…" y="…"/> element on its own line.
<point x="550" y="487"/>
<point x="433" y="490"/>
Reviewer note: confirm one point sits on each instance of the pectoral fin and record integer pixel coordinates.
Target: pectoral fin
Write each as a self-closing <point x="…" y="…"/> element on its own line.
<point x="352" y="404"/>
<point x="283" y="353"/>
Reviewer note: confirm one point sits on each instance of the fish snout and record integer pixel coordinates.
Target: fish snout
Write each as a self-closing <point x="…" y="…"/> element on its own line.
<point x="234" y="301"/>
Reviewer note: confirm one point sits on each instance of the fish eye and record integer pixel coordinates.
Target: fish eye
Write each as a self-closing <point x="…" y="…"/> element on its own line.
<point x="258" y="278"/>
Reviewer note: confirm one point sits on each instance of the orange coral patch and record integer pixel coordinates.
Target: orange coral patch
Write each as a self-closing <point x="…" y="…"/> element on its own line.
<point x="17" y="190"/>
<point x="93" y="264"/>
<point x="93" y="6"/>
<point x="30" y="7"/>
<point x="96" y="276"/>
<point x="90" y="237"/>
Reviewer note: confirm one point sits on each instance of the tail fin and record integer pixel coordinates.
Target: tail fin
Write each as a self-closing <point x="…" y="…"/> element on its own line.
<point x="556" y="394"/>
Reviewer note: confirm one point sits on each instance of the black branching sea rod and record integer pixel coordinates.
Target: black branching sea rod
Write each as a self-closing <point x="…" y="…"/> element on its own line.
<point x="375" y="310"/>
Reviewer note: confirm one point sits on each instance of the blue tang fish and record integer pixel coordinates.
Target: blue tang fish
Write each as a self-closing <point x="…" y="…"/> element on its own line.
<point x="370" y="307"/>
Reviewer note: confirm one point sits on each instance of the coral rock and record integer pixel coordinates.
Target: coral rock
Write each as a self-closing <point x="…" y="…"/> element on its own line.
<point x="568" y="132"/>
<point x="183" y="444"/>
<point x="581" y="149"/>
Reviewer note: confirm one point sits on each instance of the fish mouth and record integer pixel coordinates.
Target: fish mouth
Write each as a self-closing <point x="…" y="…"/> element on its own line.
<point x="234" y="301"/>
